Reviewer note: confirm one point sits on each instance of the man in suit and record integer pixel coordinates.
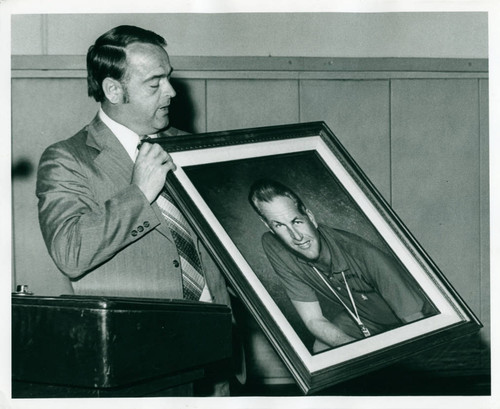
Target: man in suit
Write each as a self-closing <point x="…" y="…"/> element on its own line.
<point x="99" y="194"/>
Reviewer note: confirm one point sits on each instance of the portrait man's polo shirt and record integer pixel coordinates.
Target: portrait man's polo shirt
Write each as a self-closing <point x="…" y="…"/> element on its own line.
<point x="384" y="294"/>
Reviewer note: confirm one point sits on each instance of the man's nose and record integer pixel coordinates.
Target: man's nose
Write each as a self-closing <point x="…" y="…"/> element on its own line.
<point x="295" y="234"/>
<point x="168" y="89"/>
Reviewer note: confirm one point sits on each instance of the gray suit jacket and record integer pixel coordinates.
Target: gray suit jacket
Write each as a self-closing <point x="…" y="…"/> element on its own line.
<point x="100" y="230"/>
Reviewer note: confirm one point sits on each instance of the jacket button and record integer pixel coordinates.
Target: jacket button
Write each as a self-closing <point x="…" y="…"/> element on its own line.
<point x="134" y="233"/>
<point x="140" y="229"/>
<point x="175" y="263"/>
<point x="146" y="224"/>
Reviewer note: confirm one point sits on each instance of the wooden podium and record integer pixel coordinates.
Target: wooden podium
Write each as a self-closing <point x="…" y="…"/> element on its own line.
<point x="82" y="346"/>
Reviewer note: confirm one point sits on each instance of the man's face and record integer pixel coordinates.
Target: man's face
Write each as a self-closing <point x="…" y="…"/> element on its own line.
<point x="296" y="230"/>
<point x="147" y="89"/>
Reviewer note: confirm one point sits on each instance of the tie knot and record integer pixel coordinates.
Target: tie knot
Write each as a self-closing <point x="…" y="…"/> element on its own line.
<point x="142" y="139"/>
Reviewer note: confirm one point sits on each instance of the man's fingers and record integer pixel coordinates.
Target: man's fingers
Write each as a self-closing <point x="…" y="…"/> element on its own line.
<point x="170" y="165"/>
<point x="145" y="145"/>
<point x="154" y="156"/>
<point x="152" y="151"/>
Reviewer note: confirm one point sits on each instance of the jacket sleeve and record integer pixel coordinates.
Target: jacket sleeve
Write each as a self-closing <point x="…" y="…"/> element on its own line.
<point x="81" y="232"/>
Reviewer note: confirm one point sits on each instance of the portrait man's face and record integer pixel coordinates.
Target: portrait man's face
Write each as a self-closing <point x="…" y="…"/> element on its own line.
<point x="296" y="230"/>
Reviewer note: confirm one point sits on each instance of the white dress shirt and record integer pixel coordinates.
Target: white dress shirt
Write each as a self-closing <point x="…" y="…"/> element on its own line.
<point x="128" y="138"/>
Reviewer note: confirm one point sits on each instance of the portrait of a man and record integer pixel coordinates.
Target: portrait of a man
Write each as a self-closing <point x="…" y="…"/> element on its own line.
<point x="320" y="259"/>
<point x="364" y="285"/>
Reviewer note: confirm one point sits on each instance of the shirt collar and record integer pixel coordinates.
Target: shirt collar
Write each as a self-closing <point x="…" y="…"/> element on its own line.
<point x="128" y="138"/>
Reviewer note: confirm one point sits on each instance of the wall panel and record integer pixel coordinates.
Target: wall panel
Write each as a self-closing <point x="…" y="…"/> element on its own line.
<point x="358" y="114"/>
<point x="435" y="174"/>
<point x="439" y="176"/>
<point x="188" y="108"/>
<point x="484" y="208"/>
<point x="233" y="104"/>
<point x="28" y="34"/>
<point x="43" y="111"/>
<point x="276" y="34"/>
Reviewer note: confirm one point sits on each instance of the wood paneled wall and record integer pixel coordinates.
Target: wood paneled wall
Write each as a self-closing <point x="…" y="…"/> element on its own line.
<point x="417" y="127"/>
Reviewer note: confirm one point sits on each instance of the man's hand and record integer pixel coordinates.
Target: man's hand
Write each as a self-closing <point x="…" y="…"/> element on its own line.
<point x="150" y="169"/>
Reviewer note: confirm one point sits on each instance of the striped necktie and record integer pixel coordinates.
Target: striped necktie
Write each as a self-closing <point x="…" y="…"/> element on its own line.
<point x="192" y="270"/>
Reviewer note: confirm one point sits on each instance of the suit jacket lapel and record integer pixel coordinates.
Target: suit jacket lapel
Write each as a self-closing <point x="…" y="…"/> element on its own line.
<point x="114" y="160"/>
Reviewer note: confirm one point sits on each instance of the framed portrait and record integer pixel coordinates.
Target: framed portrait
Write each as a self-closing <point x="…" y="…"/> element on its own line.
<point x="386" y="293"/>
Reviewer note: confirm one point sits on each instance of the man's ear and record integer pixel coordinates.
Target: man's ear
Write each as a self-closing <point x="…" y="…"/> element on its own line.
<point x="113" y="90"/>
<point x="311" y="217"/>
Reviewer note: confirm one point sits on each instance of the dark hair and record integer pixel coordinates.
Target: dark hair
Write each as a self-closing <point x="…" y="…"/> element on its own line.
<point x="107" y="57"/>
<point x="265" y="190"/>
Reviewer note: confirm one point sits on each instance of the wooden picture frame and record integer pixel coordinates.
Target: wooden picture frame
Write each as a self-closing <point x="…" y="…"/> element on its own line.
<point x="211" y="184"/>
